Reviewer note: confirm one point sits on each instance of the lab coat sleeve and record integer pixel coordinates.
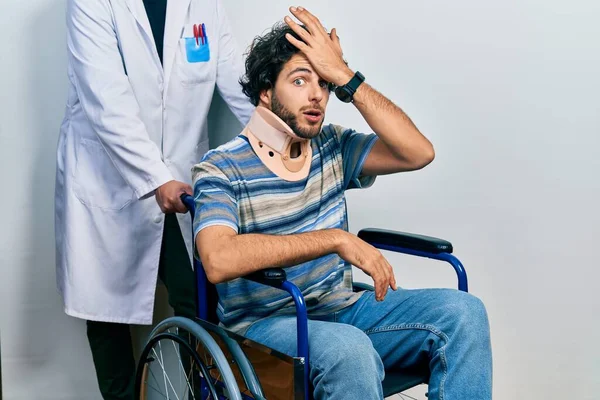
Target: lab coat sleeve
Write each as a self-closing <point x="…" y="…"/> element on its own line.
<point x="107" y="97"/>
<point x="230" y="69"/>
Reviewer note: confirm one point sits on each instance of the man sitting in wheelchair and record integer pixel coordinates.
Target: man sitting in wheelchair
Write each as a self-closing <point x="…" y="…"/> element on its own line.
<point x="274" y="197"/>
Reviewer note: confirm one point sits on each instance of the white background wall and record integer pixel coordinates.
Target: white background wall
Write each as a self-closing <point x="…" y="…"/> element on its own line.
<point x="507" y="91"/>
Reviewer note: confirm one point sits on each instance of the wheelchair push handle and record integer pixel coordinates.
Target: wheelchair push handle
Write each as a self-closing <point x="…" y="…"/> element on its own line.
<point x="188" y="201"/>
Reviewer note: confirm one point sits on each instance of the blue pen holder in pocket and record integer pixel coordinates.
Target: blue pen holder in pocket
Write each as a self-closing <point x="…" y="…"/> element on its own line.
<point x="197" y="52"/>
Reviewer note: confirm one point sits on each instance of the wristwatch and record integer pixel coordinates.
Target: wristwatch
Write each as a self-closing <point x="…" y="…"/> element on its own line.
<point x="346" y="93"/>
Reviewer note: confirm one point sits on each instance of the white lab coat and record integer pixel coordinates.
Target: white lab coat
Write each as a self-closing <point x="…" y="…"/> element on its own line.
<point x="129" y="127"/>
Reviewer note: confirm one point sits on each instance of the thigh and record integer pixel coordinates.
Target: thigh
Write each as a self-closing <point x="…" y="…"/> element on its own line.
<point x="326" y="340"/>
<point x="409" y="324"/>
<point x="176" y="271"/>
<point x="343" y="361"/>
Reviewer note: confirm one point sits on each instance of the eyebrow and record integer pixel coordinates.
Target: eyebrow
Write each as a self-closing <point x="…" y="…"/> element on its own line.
<point x="299" y="69"/>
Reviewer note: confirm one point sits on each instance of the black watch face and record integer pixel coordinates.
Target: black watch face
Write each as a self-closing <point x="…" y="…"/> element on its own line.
<point x="342" y="94"/>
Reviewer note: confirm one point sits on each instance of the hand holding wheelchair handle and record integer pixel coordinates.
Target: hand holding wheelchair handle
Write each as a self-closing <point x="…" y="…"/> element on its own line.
<point x="188" y="202"/>
<point x="169" y="196"/>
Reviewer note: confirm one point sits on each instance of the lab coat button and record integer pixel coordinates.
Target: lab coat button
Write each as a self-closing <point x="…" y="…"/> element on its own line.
<point x="158" y="218"/>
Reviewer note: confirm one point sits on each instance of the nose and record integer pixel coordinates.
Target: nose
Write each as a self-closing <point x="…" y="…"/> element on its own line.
<point x="316" y="93"/>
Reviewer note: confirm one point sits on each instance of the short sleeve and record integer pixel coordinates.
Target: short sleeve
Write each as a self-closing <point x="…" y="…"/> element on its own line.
<point x="214" y="198"/>
<point x="355" y="148"/>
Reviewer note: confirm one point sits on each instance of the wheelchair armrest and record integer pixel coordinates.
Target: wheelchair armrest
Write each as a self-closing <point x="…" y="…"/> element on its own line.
<point x="271" y="277"/>
<point x="405" y="240"/>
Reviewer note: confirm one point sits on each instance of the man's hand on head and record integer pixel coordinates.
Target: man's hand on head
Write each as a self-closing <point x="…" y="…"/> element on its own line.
<point x="168" y="196"/>
<point x="322" y="49"/>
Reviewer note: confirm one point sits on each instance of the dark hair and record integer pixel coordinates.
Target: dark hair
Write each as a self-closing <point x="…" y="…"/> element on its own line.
<point x="265" y="60"/>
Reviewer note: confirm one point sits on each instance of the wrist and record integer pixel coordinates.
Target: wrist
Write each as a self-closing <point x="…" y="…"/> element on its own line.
<point x="164" y="184"/>
<point x="343" y="77"/>
<point x="340" y="240"/>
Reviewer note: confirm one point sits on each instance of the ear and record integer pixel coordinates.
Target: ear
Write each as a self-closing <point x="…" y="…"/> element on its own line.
<point x="265" y="97"/>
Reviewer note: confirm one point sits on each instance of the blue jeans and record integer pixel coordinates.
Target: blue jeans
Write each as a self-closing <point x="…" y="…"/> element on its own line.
<point x="446" y="331"/>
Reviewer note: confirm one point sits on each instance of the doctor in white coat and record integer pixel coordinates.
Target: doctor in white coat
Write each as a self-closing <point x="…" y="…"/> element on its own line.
<point x="141" y="81"/>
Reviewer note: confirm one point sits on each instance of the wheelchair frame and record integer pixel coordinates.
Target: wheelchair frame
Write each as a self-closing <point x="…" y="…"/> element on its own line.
<point x="399" y="242"/>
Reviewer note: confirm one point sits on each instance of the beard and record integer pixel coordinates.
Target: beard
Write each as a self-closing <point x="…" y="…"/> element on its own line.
<point x="292" y="121"/>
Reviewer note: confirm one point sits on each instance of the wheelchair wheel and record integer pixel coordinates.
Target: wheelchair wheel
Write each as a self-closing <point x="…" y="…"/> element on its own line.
<point x="182" y="361"/>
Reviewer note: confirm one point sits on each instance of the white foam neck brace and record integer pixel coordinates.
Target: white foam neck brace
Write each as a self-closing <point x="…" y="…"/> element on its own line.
<point x="272" y="140"/>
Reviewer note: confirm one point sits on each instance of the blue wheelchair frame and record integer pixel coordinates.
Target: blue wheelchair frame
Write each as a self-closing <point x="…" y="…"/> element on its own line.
<point x="399" y="242"/>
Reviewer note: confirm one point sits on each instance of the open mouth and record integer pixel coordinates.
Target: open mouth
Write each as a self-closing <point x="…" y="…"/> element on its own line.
<point x="313" y="115"/>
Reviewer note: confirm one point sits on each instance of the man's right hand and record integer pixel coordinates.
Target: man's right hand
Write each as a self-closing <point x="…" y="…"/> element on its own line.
<point x="168" y="196"/>
<point x="370" y="260"/>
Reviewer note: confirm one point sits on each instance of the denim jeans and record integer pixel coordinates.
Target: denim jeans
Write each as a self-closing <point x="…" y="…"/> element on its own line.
<point x="444" y="330"/>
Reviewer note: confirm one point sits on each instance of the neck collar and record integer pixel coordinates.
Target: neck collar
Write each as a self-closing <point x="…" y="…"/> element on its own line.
<point x="272" y="140"/>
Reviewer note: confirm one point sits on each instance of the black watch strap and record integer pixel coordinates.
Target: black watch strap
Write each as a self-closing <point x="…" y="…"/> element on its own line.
<point x="355" y="82"/>
<point x="346" y="93"/>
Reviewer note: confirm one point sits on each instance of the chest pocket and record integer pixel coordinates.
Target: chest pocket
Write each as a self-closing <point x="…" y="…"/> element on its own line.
<point x="195" y="62"/>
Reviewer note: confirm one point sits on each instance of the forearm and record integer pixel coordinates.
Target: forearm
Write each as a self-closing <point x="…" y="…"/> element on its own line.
<point x="391" y="124"/>
<point x="395" y="129"/>
<point x="239" y="255"/>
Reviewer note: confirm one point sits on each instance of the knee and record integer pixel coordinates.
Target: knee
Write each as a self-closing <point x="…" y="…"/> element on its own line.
<point x="474" y="310"/>
<point x="466" y="312"/>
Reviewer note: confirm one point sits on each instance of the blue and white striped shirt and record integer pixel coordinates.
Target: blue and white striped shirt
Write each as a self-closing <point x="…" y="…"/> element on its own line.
<point x="233" y="188"/>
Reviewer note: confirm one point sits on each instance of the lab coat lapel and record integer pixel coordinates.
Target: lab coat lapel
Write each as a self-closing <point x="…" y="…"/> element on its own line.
<point x="136" y="7"/>
<point x="174" y="25"/>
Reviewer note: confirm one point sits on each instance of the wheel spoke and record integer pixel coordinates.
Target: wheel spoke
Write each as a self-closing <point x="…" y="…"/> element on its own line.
<point x="165" y="375"/>
<point x="175" y="346"/>
<point x="156" y="380"/>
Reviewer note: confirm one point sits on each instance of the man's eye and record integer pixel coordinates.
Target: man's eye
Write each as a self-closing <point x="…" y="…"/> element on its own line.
<point x="298" y="81"/>
<point x="324" y="84"/>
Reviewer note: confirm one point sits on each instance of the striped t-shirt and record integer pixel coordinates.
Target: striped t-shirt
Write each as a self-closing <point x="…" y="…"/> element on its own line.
<point x="233" y="188"/>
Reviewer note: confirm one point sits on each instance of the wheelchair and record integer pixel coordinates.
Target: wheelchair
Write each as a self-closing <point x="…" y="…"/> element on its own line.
<point x="198" y="359"/>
